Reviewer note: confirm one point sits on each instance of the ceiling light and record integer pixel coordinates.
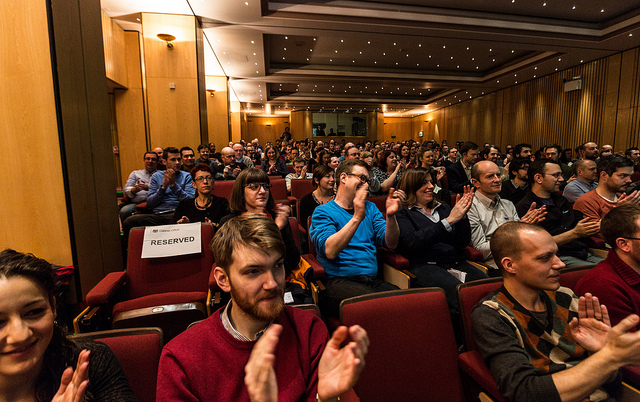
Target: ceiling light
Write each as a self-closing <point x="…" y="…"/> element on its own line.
<point x="286" y="37"/>
<point x="444" y="47"/>
<point x="252" y="42"/>
<point x="342" y="40"/>
<point x="602" y="11"/>
<point x="544" y="4"/>
<point x="573" y="8"/>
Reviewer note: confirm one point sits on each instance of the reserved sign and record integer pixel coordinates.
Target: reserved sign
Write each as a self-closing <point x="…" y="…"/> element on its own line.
<point x="171" y="240"/>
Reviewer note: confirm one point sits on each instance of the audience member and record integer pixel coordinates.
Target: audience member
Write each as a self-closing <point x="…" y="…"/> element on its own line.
<point x="616" y="280"/>
<point x="160" y="152"/>
<point x="345" y="232"/>
<point x="286" y="135"/>
<point x="588" y="150"/>
<point x="323" y="182"/>
<point x="459" y="173"/>
<point x="334" y="162"/>
<point x="553" y="153"/>
<point x="522" y="150"/>
<point x="188" y="159"/>
<point x="229" y="169"/>
<point x="561" y="222"/>
<point x="136" y="188"/>
<point x="205" y="207"/>
<point x="433" y="237"/>
<point x="586" y="176"/>
<point x="300" y="167"/>
<point x="37" y="361"/>
<point x="607" y="150"/>
<point x="488" y="210"/>
<point x="272" y="164"/>
<point x="203" y="151"/>
<point x="633" y="154"/>
<point x="614" y="177"/>
<point x="516" y="187"/>
<point x="540" y="340"/>
<point x="238" y="150"/>
<point x="388" y="172"/>
<point x="166" y="190"/>
<point x="256" y="348"/>
<point x="213" y="154"/>
<point x="451" y="157"/>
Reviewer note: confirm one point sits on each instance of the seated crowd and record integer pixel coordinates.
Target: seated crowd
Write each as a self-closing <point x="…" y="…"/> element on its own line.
<point x="455" y="213"/>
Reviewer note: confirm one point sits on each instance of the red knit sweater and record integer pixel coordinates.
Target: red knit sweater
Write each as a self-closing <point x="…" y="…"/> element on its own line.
<point x="206" y="363"/>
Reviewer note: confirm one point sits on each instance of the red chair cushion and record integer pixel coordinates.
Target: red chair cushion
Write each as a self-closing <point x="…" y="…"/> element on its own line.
<point x="473" y="364"/>
<point x="159" y="300"/>
<point x="472" y="254"/>
<point x="631" y="375"/>
<point x="392" y="258"/>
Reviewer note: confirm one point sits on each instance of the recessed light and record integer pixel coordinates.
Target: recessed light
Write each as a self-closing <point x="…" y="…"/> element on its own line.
<point x="341" y="40"/>
<point x="573" y="8"/>
<point x="252" y="42"/>
<point x="444" y="47"/>
<point x="602" y="11"/>
<point x="285" y="48"/>
<point x="544" y="4"/>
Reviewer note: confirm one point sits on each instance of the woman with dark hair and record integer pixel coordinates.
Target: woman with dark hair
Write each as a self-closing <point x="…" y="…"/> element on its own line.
<point x="433" y="235"/>
<point x="388" y="172"/>
<point x="323" y="182"/>
<point x="36" y="358"/>
<point x="405" y="154"/>
<point x="205" y="207"/>
<point x="272" y="164"/>
<point x="251" y="195"/>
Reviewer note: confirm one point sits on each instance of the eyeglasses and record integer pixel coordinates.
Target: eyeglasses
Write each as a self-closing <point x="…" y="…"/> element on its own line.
<point x="256" y="186"/>
<point x="362" y="177"/>
<point x="632" y="238"/>
<point x="204" y="178"/>
<point x="555" y="175"/>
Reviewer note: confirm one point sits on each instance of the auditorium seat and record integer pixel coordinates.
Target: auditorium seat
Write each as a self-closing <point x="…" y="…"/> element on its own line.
<point x="412" y="355"/>
<point x="223" y="189"/>
<point x="138" y="350"/>
<point x="168" y="292"/>
<point x="300" y="188"/>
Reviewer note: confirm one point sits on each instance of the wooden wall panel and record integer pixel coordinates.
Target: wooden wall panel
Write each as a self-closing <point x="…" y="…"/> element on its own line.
<point x="301" y="125"/>
<point x="218" y="111"/>
<point x="130" y="116"/>
<point x="174" y="114"/>
<point x="257" y="128"/>
<point x="397" y="128"/>
<point x="114" y="51"/>
<point x="33" y="219"/>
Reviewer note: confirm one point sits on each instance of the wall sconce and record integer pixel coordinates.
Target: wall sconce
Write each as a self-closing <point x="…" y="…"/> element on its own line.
<point x="269" y="124"/>
<point x="211" y="92"/>
<point x="167" y="38"/>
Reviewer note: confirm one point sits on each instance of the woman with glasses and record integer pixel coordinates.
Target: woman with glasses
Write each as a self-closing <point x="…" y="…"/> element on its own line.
<point x="272" y="164"/>
<point x="388" y="172"/>
<point x="433" y="236"/>
<point x="323" y="182"/>
<point x="205" y="207"/>
<point x="251" y="195"/>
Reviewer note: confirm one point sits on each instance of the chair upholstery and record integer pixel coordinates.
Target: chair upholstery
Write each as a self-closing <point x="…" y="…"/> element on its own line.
<point x="156" y="281"/>
<point x="279" y="191"/>
<point x="470" y="361"/>
<point x="569" y="277"/>
<point x="381" y="203"/>
<point x="223" y="188"/>
<point x="301" y="187"/>
<point x="412" y="355"/>
<point x="138" y="350"/>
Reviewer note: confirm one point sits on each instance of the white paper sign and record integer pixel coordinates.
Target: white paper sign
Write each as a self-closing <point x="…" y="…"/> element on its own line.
<point x="171" y="240"/>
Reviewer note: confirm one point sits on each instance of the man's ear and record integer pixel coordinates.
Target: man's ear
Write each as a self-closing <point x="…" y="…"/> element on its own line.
<point x="623" y="244"/>
<point x="222" y="279"/>
<point x="475" y="183"/>
<point x="507" y="264"/>
<point x="538" y="177"/>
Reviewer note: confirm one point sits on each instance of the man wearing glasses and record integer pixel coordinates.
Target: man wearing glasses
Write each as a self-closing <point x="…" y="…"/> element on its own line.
<point x="616" y="280"/>
<point x="563" y="223"/>
<point x="205" y="207"/>
<point x="345" y="232"/>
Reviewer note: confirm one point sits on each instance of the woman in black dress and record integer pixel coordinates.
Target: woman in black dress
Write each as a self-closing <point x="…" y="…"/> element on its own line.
<point x="206" y="207"/>
<point x="323" y="181"/>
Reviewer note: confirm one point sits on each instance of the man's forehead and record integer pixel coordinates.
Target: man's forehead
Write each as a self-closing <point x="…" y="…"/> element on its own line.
<point x="551" y="168"/>
<point x="359" y="170"/>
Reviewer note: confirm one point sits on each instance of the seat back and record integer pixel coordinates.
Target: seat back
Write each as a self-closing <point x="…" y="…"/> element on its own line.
<point x="469" y="294"/>
<point x="223" y="189"/>
<point x="279" y="190"/>
<point x="569" y="277"/>
<point x="301" y="187"/>
<point x="312" y="248"/>
<point x="413" y="354"/>
<point x="381" y="203"/>
<point x="138" y="350"/>
<point x="293" y="224"/>
<point x="184" y="273"/>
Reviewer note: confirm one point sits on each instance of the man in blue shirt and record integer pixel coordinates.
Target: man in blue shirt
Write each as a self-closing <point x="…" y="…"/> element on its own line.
<point x="345" y="232"/>
<point x="166" y="190"/>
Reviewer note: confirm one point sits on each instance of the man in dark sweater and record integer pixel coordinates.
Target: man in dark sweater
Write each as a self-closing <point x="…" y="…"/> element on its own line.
<point x="255" y="348"/>
<point x="532" y="333"/>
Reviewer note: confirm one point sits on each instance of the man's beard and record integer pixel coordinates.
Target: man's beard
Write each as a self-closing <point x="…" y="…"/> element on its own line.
<point x="255" y="311"/>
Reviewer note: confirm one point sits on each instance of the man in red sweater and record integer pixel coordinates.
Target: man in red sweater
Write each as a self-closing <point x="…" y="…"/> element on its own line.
<point x="256" y="348"/>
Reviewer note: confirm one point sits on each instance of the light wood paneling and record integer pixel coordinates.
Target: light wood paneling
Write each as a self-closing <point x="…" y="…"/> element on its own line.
<point x="397" y="128"/>
<point x="130" y="112"/>
<point x="114" y="51"/>
<point x="34" y="218"/>
<point x="265" y="129"/>
<point x="218" y="111"/>
<point x="301" y="125"/>
<point x="236" y="117"/>
<point x="162" y="62"/>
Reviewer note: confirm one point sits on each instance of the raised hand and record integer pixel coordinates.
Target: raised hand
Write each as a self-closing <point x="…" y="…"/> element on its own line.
<point x="339" y="368"/>
<point x="394" y="201"/>
<point x="534" y="215"/>
<point x="73" y="383"/>
<point x="282" y="215"/>
<point x="260" y="377"/>
<point x="591" y="328"/>
<point x="632" y="199"/>
<point x="587" y="227"/>
<point x="463" y="203"/>
<point x="359" y="208"/>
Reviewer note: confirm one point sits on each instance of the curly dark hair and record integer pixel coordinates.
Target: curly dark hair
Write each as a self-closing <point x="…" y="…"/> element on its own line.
<point x="59" y="353"/>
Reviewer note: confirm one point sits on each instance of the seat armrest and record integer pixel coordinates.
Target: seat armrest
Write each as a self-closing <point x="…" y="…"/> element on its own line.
<point x="106" y="288"/>
<point x="472" y="254"/>
<point x="471" y="362"/>
<point x="388" y="256"/>
<point x="292" y="199"/>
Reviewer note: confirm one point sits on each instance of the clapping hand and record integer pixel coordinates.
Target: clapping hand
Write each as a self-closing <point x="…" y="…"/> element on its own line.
<point x="74" y="383"/>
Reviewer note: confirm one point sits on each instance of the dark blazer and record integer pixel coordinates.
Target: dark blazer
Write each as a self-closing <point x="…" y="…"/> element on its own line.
<point x="457" y="178"/>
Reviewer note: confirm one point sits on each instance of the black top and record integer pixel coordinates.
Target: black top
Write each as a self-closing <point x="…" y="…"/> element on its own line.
<point x="219" y="171"/>
<point x="511" y="193"/>
<point x="457" y="177"/>
<point x="308" y="204"/>
<point x="423" y="241"/>
<point x="560" y="218"/>
<point x="217" y="210"/>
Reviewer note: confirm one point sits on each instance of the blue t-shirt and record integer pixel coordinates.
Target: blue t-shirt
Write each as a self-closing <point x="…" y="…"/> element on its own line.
<point x="359" y="256"/>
